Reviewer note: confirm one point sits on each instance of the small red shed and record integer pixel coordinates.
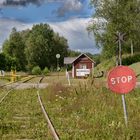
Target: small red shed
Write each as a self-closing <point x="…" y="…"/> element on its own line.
<point x="82" y="65"/>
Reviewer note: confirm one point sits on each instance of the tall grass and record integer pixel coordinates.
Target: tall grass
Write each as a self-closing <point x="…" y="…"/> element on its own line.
<point x="87" y="110"/>
<point x="91" y="112"/>
<point x="136" y="68"/>
<point x="21" y="117"/>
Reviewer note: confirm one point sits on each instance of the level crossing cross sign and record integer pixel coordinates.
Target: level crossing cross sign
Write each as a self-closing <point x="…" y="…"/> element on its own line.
<point x="120" y="37"/>
<point x="121" y="79"/>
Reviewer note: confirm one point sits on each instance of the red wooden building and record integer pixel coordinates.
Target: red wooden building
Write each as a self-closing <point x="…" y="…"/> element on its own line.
<point x="82" y="66"/>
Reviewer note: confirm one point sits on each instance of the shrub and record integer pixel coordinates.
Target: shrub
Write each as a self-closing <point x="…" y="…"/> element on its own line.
<point x="131" y="59"/>
<point x="46" y="71"/>
<point x="36" y="70"/>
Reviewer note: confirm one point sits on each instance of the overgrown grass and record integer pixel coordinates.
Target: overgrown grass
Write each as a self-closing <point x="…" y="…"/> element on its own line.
<point x="54" y="79"/>
<point x="21" y="117"/>
<point x="136" y="68"/>
<point x="92" y="112"/>
<point x="87" y="110"/>
<point x="104" y="66"/>
<point x="4" y="80"/>
<point x="107" y="65"/>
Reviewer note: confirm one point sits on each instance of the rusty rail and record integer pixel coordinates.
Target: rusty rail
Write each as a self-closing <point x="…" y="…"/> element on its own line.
<point x="53" y="131"/>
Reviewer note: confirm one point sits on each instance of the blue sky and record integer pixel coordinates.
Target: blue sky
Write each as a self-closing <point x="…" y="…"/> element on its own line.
<point x="67" y="17"/>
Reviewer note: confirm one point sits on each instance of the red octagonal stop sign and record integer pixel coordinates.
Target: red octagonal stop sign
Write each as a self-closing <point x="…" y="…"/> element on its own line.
<point x="121" y="79"/>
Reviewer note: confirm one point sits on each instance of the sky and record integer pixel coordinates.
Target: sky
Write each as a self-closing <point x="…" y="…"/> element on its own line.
<point x="69" y="18"/>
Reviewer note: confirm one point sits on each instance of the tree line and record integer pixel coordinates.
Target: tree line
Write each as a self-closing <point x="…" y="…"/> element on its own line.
<point x="35" y="48"/>
<point x="26" y="49"/>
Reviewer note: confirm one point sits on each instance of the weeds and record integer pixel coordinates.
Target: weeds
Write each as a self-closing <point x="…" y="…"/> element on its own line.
<point x="85" y="111"/>
<point x="21" y="117"/>
<point x="91" y="112"/>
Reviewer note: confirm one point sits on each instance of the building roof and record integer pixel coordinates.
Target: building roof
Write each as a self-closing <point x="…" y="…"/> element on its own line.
<point x="70" y="60"/>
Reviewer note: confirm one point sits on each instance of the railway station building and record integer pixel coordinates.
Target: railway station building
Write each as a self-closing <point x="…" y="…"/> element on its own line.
<point x="82" y="66"/>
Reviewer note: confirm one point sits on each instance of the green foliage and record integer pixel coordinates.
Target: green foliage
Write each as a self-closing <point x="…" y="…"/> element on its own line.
<point x="43" y="45"/>
<point x="35" y="47"/>
<point x="72" y="53"/>
<point x="14" y="48"/>
<point x="2" y="61"/>
<point x="104" y="66"/>
<point x="10" y="63"/>
<point x="136" y="68"/>
<point x="36" y="70"/>
<point x="112" y="16"/>
<point x="96" y="58"/>
<point x="46" y="71"/>
<point x="131" y="59"/>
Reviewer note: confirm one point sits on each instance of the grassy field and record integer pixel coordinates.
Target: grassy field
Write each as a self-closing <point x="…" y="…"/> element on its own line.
<point x="108" y="65"/>
<point x="136" y="68"/>
<point x="21" y="117"/>
<point x="92" y="112"/>
<point x="4" y="80"/>
<point x="87" y="110"/>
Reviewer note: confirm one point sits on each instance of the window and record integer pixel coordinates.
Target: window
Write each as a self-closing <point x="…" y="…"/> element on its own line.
<point x="83" y="66"/>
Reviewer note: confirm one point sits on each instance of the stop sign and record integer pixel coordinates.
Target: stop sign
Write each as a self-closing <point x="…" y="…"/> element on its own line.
<point x="121" y="79"/>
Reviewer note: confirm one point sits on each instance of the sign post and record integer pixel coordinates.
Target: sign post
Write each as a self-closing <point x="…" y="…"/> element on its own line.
<point x="58" y="68"/>
<point x="125" y="110"/>
<point x="121" y="79"/>
<point x="68" y="77"/>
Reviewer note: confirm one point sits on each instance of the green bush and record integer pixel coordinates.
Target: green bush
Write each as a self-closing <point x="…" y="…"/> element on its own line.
<point x="46" y="71"/>
<point x="131" y="59"/>
<point x="36" y="70"/>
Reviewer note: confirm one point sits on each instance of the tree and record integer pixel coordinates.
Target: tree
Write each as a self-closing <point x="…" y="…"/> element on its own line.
<point x="59" y="46"/>
<point x="2" y="61"/>
<point x="14" y="47"/>
<point x="113" y="16"/>
<point x="72" y="53"/>
<point x="35" y="47"/>
<point x="42" y="46"/>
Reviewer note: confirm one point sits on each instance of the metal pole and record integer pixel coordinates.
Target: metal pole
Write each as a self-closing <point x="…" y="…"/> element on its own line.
<point x="125" y="110"/>
<point x="120" y="50"/>
<point x="132" y="51"/>
<point x="117" y="56"/>
<point x="58" y="66"/>
<point x="120" y="63"/>
<point x="68" y="77"/>
<point x="57" y="63"/>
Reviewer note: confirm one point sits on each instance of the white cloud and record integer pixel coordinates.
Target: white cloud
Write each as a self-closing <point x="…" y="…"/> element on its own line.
<point x="68" y="6"/>
<point x="65" y="7"/>
<point x="74" y="30"/>
<point x="6" y="26"/>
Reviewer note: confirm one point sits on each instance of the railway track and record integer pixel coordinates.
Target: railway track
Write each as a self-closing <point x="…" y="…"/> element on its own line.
<point x="23" y="115"/>
<point x="18" y="81"/>
<point x="50" y="124"/>
<point x="12" y="86"/>
<point x="21" y="84"/>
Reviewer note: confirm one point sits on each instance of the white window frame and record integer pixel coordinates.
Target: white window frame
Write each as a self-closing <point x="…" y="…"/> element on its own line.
<point x="82" y="66"/>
